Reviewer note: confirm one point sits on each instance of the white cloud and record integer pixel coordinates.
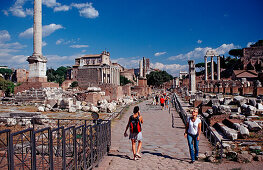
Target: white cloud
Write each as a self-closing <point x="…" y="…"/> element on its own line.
<point x="200" y="52"/>
<point x="62" y="8"/>
<point x="83" y="51"/>
<point x="79" y="46"/>
<point x="86" y="10"/>
<point x="89" y="12"/>
<point x="51" y="3"/>
<point x="199" y="41"/>
<point x="4" y="36"/>
<point x="172" y="69"/>
<point x="44" y="44"/>
<point x="59" y="41"/>
<point x="159" y="53"/>
<point x="8" y="50"/>
<point x="130" y="62"/>
<point x="18" y="10"/>
<point x="46" y="31"/>
<point x="250" y="43"/>
<point x="81" y="5"/>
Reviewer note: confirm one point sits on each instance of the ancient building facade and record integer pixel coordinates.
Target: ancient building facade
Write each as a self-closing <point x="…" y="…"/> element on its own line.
<point x="252" y="56"/>
<point x="93" y="70"/>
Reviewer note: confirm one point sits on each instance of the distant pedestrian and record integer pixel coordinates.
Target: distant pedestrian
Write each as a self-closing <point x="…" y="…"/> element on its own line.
<point x="192" y="132"/>
<point x="157" y="99"/>
<point x="162" y="102"/>
<point x="167" y="102"/>
<point x="154" y="100"/>
<point x="135" y="125"/>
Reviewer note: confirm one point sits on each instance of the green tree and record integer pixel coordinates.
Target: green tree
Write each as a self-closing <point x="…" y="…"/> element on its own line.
<point x="7" y="86"/>
<point x="236" y="52"/>
<point x="124" y="80"/>
<point x="59" y="75"/>
<point x="74" y="84"/>
<point x="157" y="78"/>
<point x="257" y="44"/>
<point x="7" y="73"/>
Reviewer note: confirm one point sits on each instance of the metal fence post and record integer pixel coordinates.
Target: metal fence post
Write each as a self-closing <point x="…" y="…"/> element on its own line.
<point x="75" y="147"/>
<point x="63" y="149"/>
<point x="50" y="149"/>
<point x="11" y="154"/>
<point x="91" y="147"/>
<point x="33" y="150"/>
<point x="84" y="145"/>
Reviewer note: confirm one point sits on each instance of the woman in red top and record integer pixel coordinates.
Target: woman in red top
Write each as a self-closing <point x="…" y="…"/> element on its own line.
<point x="162" y="102"/>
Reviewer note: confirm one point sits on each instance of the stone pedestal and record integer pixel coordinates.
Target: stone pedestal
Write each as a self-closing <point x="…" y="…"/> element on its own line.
<point x="221" y="90"/>
<point x="227" y="90"/>
<point x="142" y="82"/>
<point x="247" y="91"/>
<point x="216" y="90"/>
<point x="234" y="90"/>
<point x="259" y="91"/>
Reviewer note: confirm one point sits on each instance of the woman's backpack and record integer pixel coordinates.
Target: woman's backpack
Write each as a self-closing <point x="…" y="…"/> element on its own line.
<point x="135" y="124"/>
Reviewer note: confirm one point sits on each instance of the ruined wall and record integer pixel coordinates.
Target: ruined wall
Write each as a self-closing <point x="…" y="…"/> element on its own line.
<point x="87" y="77"/>
<point x="21" y="75"/>
<point x="115" y="92"/>
<point x="35" y="85"/>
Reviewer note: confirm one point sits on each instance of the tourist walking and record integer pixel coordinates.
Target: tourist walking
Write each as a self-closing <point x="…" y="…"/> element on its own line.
<point x="135" y="125"/>
<point x="162" y="102"/>
<point x="157" y="99"/>
<point x="167" y="102"/>
<point x="192" y="132"/>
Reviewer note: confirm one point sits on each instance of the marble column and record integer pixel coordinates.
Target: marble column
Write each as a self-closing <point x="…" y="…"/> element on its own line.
<point x="192" y="86"/>
<point x="101" y="75"/>
<point x="218" y="68"/>
<point x="206" y="68"/>
<point x="37" y="27"/>
<point x="212" y="68"/>
<point x="37" y="62"/>
<point x="141" y="68"/>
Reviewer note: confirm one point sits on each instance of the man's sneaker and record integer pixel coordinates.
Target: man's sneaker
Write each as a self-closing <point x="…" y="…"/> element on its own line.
<point x="192" y="162"/>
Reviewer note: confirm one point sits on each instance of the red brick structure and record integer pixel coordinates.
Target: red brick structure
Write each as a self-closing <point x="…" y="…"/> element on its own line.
<point x="252" y="56"/>
<point x="21" y="75"/>
<point x="115" y="92"/>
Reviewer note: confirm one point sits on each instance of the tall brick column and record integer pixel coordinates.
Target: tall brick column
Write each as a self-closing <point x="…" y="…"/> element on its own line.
<point x="206" y="68"/>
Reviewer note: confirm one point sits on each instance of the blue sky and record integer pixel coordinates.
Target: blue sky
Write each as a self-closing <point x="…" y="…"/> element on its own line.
<point x="169" y="32"/>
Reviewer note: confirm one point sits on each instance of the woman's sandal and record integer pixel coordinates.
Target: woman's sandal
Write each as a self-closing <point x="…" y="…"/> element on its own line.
<point x="138" y="155"/>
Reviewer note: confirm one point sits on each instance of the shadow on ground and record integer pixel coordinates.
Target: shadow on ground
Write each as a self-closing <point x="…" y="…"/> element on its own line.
<point x="166" y="156"/>
<point x="119" y="155"/>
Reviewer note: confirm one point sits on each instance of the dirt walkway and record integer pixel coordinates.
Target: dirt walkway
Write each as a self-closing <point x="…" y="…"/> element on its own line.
<point x="163" y="147"/>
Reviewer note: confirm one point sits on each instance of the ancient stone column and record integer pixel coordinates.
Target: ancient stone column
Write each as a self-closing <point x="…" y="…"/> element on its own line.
<point x="37" y="27"/>
<point x="212" y="68"/>
<point x="37" y="62"/>
<point x="101" y="69"/>
<point x="141" y="68"/>
<point x="144" y="67"/>
<point x="206" y="68"/>
<point x="192" y="86"/>
<point x="218" y="68"/>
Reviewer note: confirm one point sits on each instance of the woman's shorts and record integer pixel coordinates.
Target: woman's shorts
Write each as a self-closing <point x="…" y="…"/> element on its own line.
<point x="136" y="136"/>
<point x="162" y="104"/>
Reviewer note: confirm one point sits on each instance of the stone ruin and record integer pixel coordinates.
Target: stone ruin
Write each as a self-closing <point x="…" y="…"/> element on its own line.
<point x="55" y="99"/>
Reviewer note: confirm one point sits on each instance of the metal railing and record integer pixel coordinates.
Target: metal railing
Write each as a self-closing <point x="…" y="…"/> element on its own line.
<point x="73" y="147"/>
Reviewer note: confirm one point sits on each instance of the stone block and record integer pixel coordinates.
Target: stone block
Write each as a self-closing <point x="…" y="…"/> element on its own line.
<point x="253" y="126"/>
<point x="244" y="158"/>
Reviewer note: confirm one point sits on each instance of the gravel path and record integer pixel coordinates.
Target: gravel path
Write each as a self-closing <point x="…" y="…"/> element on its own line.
<point x="163" y="147"/>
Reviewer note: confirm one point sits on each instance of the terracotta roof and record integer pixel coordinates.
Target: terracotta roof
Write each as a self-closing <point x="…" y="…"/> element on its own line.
<point x="245" y="73"/>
